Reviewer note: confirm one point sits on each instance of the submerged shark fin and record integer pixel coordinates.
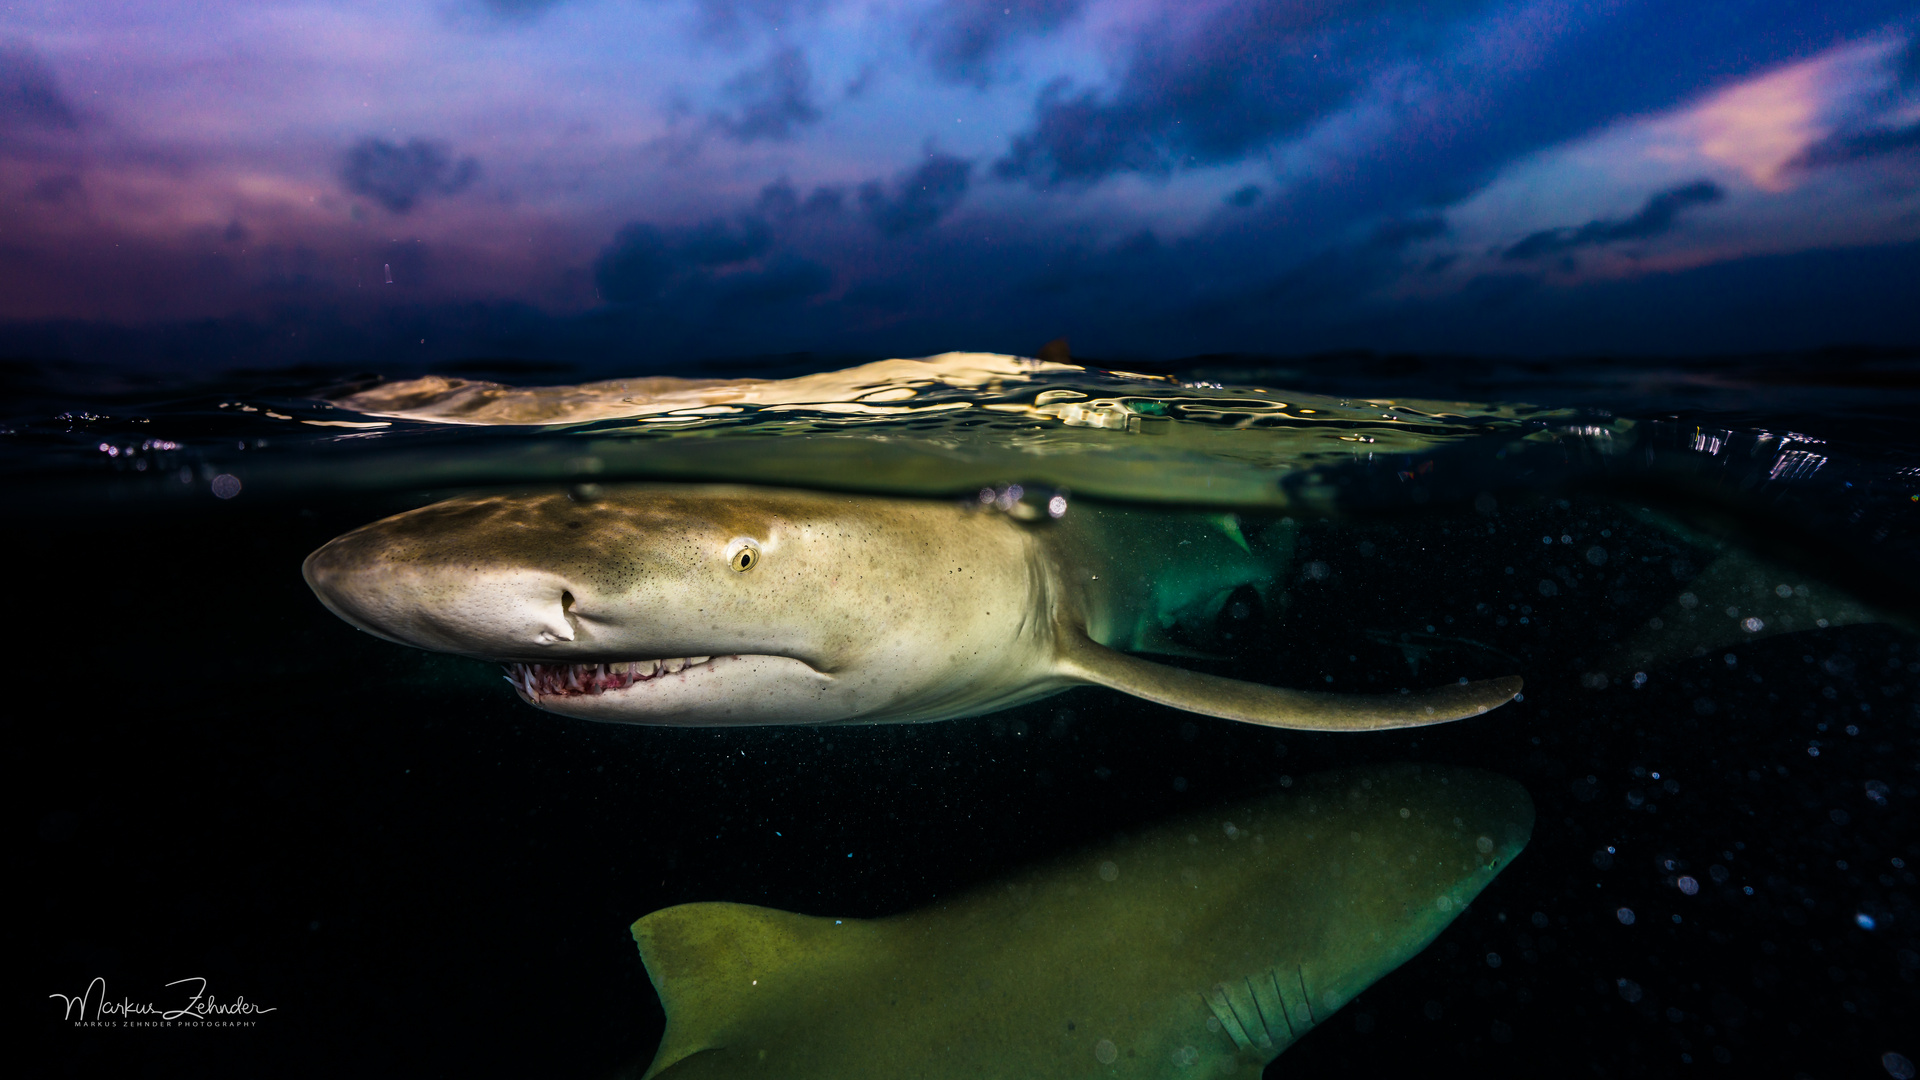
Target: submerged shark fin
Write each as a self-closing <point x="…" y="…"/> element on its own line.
<point x="716" y="965"/>
<point x="1082" y="658"/>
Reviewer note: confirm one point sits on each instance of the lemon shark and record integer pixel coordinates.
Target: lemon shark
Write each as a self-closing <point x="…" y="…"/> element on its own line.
<point x="1203" y="947"/>
<point x="709" y="605"/>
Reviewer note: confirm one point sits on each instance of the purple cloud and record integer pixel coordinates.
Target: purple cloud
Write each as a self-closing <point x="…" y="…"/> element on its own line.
<point x="30" y="96"/>
<point x="961" y="38"/>
<point x="920" y="197"/>
<point x="774" y="99"/>
<point x="1657" y="216"/>
<point x="398" y="177"/>
<point x="1249" y="72"/>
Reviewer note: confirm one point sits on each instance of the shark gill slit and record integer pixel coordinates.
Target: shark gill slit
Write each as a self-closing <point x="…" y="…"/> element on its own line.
<point x="1264" y="1037"/>
<point x="1255" y="1029"/>
<point x="1222" y="1007"/>
<point x="1280" y="1006"/>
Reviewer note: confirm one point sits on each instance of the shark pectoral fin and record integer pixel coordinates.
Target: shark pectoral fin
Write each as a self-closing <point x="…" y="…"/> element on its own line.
<point x="1233" y="699"/>
<point x="717" y="966"/>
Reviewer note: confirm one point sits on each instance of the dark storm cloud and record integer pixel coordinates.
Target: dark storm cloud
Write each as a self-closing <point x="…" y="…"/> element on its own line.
<point x="1842" y="147"/>
<point x="1251" y="72"/>
<point x="781" y="200"/>
<point x="1656" y="217"/>
<point x="773" y="99"/>
<point x="1245" y="196"/>
<point x="398" y="177"/>
<point x="961" y="38"/>
<point x="920" y="197"/>
<point x="730" y="263"/>
<point x="30" y="96"/>
<point x="1396" y="235"/>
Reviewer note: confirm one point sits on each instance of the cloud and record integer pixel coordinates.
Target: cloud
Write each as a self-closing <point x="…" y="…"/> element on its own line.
<point x="30" y="96"/>
<point x="519" y="10"/>
<point x="1656" y="217"/>
<point x="921" y="196"/>
<point x="774" y="98"/>
<point x="398" y="177"/>
<point x="1397" y="235"/>
<point x="56" y="189"/>
<point x="785" y="279"/>
<point x="730" y="21"/>
<point x="694" y="269"/>
<point x="1247" y="73"/>
<point x="781" y="200"/>
<point x="1841" y="148"/>
<point x="961" y="38"/>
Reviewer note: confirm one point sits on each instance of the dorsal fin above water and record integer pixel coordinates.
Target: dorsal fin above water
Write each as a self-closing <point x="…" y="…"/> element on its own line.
<point x="1082" y="658"/>
<point x="716" y="966"/>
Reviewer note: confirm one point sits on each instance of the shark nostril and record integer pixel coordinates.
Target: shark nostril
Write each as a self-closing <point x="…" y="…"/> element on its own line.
<point x="566" y="601"/>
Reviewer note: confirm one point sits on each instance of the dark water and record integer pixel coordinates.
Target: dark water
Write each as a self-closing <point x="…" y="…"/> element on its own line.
<point x="216" y="778"/>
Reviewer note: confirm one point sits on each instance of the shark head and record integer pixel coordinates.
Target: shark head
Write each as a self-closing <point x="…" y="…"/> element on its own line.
<point x="698" y="605"/>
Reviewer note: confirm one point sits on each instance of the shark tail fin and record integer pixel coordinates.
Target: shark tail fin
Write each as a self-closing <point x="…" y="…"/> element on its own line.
<point x="716" y="966"/>
<point x="1082" y="658"/>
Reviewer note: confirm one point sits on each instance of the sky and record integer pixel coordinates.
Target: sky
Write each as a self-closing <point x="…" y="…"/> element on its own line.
<point x="651" y="182"/>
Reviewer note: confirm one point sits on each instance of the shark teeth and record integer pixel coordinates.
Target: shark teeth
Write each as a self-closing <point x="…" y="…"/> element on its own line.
<point x="535" y="681"/>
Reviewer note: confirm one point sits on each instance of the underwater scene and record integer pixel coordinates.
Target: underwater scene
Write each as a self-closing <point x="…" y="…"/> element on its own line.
<point x="963" y="539"/>
<point x="976" y="715"/>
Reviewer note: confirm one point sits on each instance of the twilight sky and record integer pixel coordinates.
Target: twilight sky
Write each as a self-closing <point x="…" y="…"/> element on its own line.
<point x="644" y="181"/>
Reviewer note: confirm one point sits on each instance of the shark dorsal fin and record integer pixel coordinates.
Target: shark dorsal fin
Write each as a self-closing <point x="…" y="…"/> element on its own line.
<point x="1085" y="660"/>
<point x="717" y="966"/>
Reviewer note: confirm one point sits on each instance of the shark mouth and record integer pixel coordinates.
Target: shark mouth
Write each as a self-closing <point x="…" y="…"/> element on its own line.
<point x="585" y="680"/>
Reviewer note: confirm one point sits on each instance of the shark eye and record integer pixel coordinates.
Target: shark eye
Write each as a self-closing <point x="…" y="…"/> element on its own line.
<point x="746" y="555"/>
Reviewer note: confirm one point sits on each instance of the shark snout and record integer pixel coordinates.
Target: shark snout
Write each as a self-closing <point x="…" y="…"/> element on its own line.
<point x="447" y="605"/>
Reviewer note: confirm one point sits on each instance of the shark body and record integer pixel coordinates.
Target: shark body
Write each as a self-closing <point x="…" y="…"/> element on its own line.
<point x="685" y="604"/>
<point x="1203" y="947"/>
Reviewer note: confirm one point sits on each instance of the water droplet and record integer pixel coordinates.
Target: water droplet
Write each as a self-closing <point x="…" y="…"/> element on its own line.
<point x="1105" y="1052"/>
<point x="226" y="486"/>
<point x="1445" y="903"/>
<point x="1688" y="885"/>
<point x="1109" y="871"/>
<point x="1484" y="845"/>
<point x="1625" y="915"/>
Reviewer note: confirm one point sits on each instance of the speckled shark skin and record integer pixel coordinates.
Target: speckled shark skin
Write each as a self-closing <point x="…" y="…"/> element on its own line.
<point x="681" y="604"/>
<point x="1203" y="947"/>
